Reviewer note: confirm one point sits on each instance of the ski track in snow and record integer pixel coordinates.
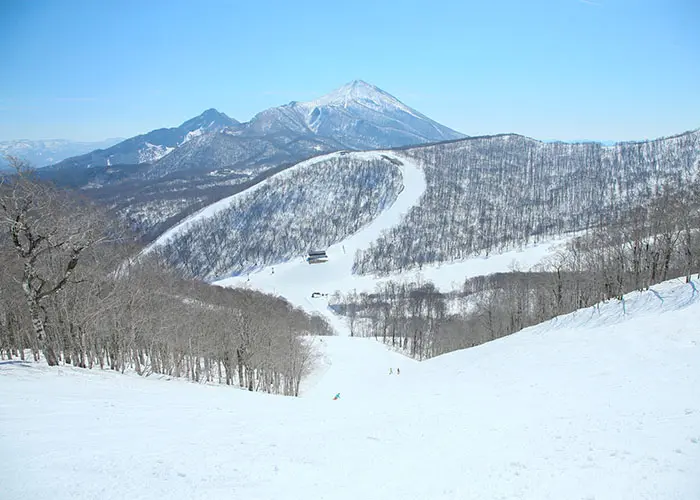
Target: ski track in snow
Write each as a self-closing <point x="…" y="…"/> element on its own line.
<point x="600" y="404"/>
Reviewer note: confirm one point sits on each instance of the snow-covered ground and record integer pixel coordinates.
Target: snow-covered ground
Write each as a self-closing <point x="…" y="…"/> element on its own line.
<point x="601" y="404"/>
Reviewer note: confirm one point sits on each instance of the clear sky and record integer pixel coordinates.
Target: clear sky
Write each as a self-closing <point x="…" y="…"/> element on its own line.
<point x="550" y="69"/>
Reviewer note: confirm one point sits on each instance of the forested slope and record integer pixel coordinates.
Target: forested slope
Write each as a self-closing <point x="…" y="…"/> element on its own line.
<point x="313" y="205"/>
<point x="490" y="193"/>
<point x="72" y="292"/>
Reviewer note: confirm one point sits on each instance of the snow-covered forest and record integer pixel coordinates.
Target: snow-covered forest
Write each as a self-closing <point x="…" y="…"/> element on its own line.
<point x="308" y="207"/>
<point x="488" y="194"/>
<point x="72" y="292"/>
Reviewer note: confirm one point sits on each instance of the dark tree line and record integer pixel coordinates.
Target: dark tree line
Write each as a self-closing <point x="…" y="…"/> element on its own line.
<point x="645" y="246"/>
<point x="489" y="194"/>
<point x="71" y="292"/>
<point x="407" y="316"/>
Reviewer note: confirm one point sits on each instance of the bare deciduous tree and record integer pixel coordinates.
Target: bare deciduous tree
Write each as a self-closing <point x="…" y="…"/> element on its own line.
<point x="49" y="234"/>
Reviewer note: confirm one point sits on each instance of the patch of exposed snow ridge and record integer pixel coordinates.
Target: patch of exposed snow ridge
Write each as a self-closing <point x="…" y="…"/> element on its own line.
<point x="153" y="152"/>
<point x="191" y="135"/>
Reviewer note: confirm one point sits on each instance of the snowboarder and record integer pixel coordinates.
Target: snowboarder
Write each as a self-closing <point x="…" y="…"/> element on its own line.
<point x="337" y="396"/>
<point x="391" y="371"/>
<point x="398" y="371"/>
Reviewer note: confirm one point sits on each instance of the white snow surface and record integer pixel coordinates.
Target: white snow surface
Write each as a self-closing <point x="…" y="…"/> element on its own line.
<point x="601" y="404"/>
<point x="296" y="280"/>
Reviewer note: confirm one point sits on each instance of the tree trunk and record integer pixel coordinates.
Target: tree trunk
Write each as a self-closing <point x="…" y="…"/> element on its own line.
<point x="40" y="331"/>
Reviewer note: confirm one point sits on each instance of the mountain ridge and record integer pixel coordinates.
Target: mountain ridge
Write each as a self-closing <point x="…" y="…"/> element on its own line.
<point x="602" y="144"/>
<point x="151" y="146"/>
<point x="357" y="115"/>
<point x="43" y="152"/>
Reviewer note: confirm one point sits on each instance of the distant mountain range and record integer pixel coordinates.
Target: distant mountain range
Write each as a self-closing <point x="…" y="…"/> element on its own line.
<point x="40" y="153"/>
<point x="356" y="116"/>
<point x="151" y="147"/>
<point x="154" y="179"/>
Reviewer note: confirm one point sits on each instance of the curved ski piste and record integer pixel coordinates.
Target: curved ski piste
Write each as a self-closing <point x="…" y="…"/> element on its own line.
<point x="296" y="280"/>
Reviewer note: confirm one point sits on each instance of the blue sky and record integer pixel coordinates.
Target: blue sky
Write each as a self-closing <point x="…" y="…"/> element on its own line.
<point x="550" y="69"/>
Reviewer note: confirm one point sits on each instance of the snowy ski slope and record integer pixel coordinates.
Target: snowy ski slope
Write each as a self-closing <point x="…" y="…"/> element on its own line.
<point x="296" y="280"/>
<point x="600" y="404"/>
<point x="603" y="404"/>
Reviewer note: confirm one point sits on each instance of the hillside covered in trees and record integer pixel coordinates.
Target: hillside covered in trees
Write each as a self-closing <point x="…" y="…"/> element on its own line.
<point x="313" y="205"/>
<point x="487" y="194"/>
<point x="71" y="292"/>
<point x="484" y="195"/>
<point x="645" y="246"/>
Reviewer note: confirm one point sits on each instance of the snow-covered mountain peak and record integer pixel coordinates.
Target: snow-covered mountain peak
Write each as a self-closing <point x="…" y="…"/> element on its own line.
<point x="354" y="91"/>
<point x="358" y="93"/>
<point x="359" y="115"/>
<point x="209" y="119"/>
